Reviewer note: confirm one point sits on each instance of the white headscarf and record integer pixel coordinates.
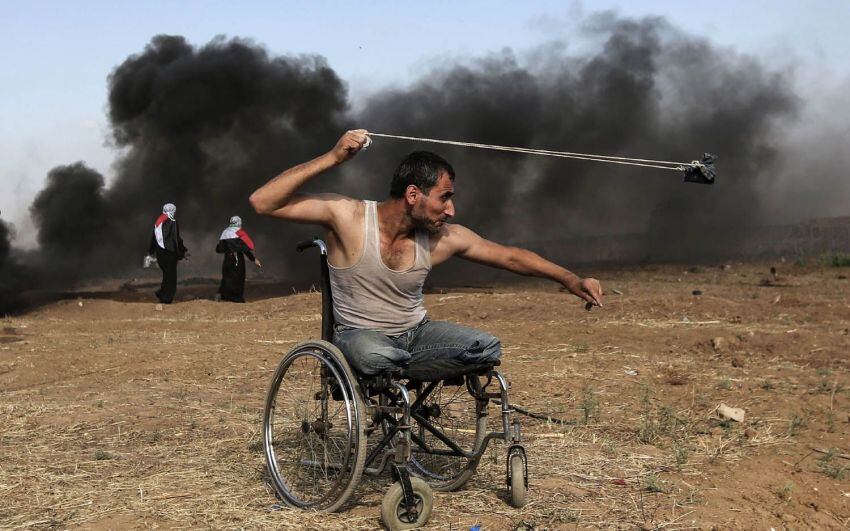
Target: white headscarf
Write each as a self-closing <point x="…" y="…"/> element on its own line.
<point x="169" y="210"/>
<point x="232" y="230"/>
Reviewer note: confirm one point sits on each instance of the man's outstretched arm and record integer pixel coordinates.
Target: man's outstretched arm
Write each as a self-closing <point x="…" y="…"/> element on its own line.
<point x="464" y="243"/>
<point x="279" y="197"/>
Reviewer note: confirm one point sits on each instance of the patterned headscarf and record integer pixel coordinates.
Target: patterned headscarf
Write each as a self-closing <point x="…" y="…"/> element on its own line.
<point x="169" y="210"/>
<point x="236" y="222"/>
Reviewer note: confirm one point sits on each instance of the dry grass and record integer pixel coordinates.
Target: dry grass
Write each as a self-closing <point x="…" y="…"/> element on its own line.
<point x="113" y="426"/>
<point x="202" y="465"/>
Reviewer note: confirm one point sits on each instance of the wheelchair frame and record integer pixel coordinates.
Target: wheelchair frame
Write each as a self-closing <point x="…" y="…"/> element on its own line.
<point x="406" y="426"/>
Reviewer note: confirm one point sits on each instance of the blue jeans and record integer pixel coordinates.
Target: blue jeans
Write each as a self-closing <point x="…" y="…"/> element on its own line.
<point x="371" y="352"/>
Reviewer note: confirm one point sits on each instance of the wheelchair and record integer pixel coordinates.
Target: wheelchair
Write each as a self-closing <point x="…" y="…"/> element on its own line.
<point x="324" y="426"/>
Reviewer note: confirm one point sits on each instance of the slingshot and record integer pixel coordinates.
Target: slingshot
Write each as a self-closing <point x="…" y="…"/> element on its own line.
<point x="696" y="171"/>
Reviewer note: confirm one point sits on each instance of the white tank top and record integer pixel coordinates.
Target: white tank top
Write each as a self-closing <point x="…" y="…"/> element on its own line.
<point x="370" y="295"/>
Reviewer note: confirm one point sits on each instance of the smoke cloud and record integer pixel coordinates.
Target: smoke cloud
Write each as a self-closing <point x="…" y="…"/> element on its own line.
<point x="14" y="278"/>
<point x="73" y="219"/>
<point x="198" y="127"/>
<point x="202" y="127"/>
<point x="650" y="91"/>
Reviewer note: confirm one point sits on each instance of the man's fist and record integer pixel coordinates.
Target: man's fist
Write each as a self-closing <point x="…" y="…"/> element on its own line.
<point x="587" y="289"/>
<point x="349" y="144"/>
<point x="591" y="292"/>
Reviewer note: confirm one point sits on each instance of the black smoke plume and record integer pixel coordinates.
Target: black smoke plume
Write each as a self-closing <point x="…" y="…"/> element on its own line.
<point x="203" y="127"/>
<point x="198" y="127"/>
<point x="649" y="92"/>
<point x="14" y="278"/>
<point x="75" y="223"/>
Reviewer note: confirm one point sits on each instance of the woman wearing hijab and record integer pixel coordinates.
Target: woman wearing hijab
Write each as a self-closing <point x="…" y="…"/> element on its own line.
<point x="235" y="244"/>
<point x="168" y="247"/>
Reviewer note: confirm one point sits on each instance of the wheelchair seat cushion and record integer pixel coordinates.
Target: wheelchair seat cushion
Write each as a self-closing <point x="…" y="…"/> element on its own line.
<point x="442" y="369"/>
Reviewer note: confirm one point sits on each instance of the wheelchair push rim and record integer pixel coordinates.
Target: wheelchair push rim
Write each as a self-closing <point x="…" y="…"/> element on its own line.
<point x="313" y="434"/>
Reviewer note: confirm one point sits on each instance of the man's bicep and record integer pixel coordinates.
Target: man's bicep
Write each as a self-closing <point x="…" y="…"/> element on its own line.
<point x="472" y="247"/>
<point x="321" y="209"/>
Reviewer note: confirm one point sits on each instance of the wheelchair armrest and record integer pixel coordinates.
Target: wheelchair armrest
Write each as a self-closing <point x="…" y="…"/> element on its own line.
<point x="315" y="242"/>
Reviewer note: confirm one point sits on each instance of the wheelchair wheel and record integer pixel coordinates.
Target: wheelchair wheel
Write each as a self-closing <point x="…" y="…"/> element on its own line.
<point x="313" y="428"/>
<point x="448" y="433"/>
<point x="394" y="512"/>
<point x="516" y="487"/>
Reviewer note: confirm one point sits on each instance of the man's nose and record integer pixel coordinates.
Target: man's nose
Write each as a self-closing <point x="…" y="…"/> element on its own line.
<point x="450" y="209"/>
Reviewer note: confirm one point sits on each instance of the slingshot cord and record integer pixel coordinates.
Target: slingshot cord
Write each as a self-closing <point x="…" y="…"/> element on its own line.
<point x="646" y="163"/>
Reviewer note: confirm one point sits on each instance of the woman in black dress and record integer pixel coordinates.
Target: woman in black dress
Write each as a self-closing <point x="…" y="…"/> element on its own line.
<point x="235" y="244"/>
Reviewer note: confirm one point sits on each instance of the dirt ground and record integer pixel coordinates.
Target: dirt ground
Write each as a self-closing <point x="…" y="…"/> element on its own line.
<point x="117" y="415"/>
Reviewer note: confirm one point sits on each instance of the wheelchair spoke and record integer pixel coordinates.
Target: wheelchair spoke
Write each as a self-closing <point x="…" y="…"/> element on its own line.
<point x="447" y="434"/>
<point x="311" y="432"/>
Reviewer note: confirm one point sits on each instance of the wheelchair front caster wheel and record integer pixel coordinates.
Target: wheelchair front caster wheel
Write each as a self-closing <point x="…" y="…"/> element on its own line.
<point x="395" y="512"/>
<point x="517" y="486"/>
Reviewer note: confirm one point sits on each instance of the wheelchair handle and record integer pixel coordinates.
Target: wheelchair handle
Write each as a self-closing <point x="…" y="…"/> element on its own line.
<point x="315" y="242"/>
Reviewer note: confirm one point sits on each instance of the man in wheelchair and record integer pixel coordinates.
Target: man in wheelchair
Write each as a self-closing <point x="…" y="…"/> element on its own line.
<point x="378" y="255"/>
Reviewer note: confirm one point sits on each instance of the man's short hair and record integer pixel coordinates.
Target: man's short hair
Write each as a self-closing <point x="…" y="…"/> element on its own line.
<point x="421" y="169"/>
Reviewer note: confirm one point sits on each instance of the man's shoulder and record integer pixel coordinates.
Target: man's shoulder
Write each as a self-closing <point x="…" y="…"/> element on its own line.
<point x="453" y="231"/>
<point x="337" y="208"/>
<point x="351" y="206"/>
<point x="451" y="237"/>
<point x="347" y="215"/>
<point x="339" y="201"/>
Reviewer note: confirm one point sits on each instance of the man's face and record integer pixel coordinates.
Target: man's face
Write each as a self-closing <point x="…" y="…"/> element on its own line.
<point x="431" y="211"/>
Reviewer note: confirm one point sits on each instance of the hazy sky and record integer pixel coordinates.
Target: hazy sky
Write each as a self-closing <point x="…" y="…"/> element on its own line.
<point x="56" y="55"/>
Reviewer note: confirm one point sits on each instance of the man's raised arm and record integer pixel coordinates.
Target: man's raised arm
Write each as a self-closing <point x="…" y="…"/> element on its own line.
<point x="279" y="197"/>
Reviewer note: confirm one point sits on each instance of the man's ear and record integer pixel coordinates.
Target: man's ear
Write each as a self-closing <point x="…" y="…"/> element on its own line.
<point x="412" y="194"/>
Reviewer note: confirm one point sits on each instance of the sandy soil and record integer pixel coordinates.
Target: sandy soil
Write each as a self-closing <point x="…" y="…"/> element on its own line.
<point x="117" y="415"/>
